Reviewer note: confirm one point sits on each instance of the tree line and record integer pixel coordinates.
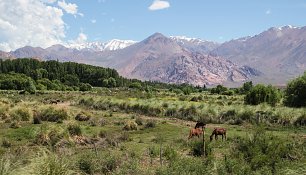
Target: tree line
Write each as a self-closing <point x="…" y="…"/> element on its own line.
<point x="55" y="75"/>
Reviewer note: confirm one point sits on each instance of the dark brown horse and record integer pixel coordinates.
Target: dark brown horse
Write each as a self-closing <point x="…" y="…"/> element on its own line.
<point x="195" y="132"/>
<point x="200" y="125"/>
<point x="218" y="131"/>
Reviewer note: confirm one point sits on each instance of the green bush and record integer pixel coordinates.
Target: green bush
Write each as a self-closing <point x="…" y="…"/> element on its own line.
<point x="150" y="124"/>
<point x="21" y="114"/>
<point x="260" y="94"/>
<point x="74" y="130"/>
<point x="295" y="93"/>
<point x="53" y="114"/>
<point x="85" y="87"/>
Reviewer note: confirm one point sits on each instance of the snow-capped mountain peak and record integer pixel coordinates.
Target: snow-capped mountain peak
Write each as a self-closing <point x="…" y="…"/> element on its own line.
<point x="114" y="44"/>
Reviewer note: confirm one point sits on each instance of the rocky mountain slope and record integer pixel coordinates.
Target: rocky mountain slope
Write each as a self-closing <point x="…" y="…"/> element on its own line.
<point x="280" y="53"/>
<point x="162" y="59"/>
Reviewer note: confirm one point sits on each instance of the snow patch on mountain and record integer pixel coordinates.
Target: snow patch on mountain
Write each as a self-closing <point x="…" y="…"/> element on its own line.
<point x="112" y="45"/>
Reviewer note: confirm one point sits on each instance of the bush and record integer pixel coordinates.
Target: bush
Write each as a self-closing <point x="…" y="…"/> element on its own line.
<point x="263" y="153"/>
<point x="139" y="121"/>
<point x="82" y="116"/>
<point x="150" y="124"/>
<point x="86" y="164"/>
<point x="85" y="87"/>
<point x="218" y="90"/>
<point x="295" y="93"/>
<point x="300" y="121"/>
<point x="74" y="130"/>
<point x="260" y="94"/>
<point x="53" y="114"/>
<point x="6" y="143"/>
<point x="21" y="114"/>
<point x="51" y="164"/>
<point x="130" y="125"/>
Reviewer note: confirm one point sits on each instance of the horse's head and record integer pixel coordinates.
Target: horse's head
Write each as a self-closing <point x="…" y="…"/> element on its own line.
<point x="211" y="137"/>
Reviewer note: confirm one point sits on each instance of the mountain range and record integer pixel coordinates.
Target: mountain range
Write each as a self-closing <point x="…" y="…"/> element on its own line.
<point x="273" y="56"/>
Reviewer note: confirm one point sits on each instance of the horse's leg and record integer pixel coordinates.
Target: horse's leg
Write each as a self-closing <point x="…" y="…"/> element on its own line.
<point x="222" y="137"/>
<point x="216" y="137"/>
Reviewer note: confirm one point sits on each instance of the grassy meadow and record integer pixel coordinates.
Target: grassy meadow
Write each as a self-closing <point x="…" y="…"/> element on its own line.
<point x="128" y="131"/>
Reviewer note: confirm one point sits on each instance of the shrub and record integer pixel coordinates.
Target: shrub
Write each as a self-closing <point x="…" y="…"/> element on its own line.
<point x="53" y="114"/>
<point x="150" y="124"/>
<point x="86" y="164"/>
<point x="218" y="89"/>
<point x="6" y="143"/>
<point x="301" y="120"/>
<point x="82" y="116"/>
<point x="139" y="121"/>
<point x="21" y="114"/>
<point x="85" y="87"/>
<point x="51" y="164"/>
<point x="295" y="93"/>
<point x="130" y="125"/>
<point x="103" y="134"/>
<point x="260" y="94"/>
<point x="74" y="130"/>
<point x="15" y="125"/>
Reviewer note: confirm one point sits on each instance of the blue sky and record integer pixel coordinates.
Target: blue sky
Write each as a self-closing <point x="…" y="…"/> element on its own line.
<point x="46" y="22"/>
<point x="216" y="20"/>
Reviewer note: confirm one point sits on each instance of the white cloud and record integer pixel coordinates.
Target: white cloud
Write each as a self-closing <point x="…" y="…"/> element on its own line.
<point x="93" y="21"/>
<point x="159" y="5"/>
<point x="29" y="22"/>
<point x="49" y="1"/>
<point x="268" y="12"/>
<point x="69" y="7"/>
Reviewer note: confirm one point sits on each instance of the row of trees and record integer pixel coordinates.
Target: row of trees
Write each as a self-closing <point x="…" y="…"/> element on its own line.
<point x="55" y="75"/>
<point x="294" y="94"/>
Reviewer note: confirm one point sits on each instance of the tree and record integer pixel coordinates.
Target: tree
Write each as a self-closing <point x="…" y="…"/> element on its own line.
<point x="218" y="90"/>
<point x="260" y="94"/>
<point x="85" y="87"/>
<point x="295" y="93"/>
<point x="246" y="87"/>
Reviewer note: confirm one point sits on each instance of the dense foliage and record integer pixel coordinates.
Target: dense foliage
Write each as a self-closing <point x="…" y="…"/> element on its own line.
<point x="295" y="94"/>
<point x="55" y="75"/>
<point x="260" y="94"/>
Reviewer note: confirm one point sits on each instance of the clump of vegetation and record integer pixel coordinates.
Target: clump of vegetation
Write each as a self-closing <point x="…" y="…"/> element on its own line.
<point x="295" y="93"/>
<point x="139" y="121"/>
<point x="51" y="164"/>
<point x="15" y="124"/>
<point x="130" y="125"/>
<point x="52" y="114"/>
<point x="150" y="124"/>
<point x="6" y="143"/>
<point x="260" y="94"/>
<point x="262" y="153"/>
<point x="21" y="114"/>
<point x="74" y="130"/>
<point x="83" y="116"/>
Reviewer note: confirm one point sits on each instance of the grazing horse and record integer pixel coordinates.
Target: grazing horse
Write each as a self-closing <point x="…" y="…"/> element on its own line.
<point x="218" y="131"/>
<point x="200" y="125"/>
<point x="195" y="132"/>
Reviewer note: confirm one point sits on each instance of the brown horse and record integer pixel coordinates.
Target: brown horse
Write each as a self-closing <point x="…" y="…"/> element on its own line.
<point x="195" y="132"/>
<point x="218" y="131"/>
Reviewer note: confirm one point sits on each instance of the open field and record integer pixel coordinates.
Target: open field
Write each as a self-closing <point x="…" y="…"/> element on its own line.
<point x="123" y="131"/>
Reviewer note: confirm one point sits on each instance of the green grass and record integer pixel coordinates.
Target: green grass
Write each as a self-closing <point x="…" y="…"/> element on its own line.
<point x="116" y="107"/>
